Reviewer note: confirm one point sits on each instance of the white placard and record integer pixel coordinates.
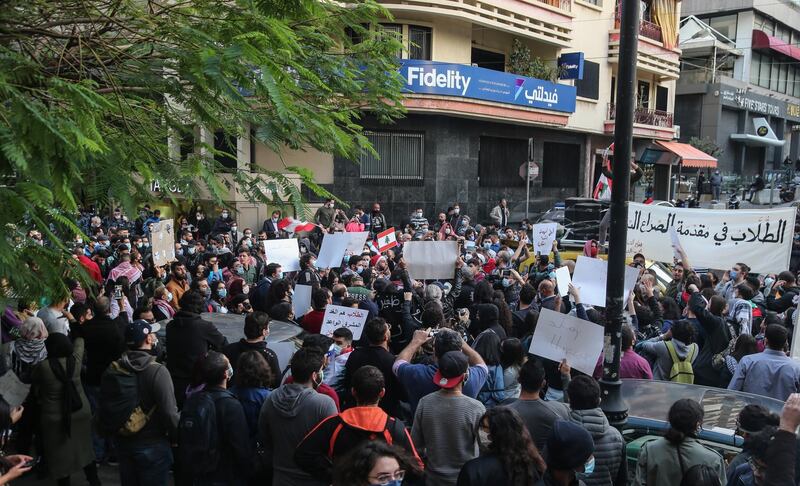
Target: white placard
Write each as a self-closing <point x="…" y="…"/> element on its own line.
<point x="561" y="336"/>
<point x="337" y="316"/>
<point x="14" y="391"/>
<point x="544" y="234"/>
<point x="430" y="260"/>
<point x="301" y="300"/>
<point x="336" y="245"/>
<point x="163" y="240"/>
<point x="590" y="277"/>
<point x="285" y="253"/>
<point x="563" y="280"/>
<point x="357" y="240"/>
<point x="714" y="238"/>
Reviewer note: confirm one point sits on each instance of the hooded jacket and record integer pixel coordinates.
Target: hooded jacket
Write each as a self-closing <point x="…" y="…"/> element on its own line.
<point x="155" y="393"/>
<point x="609" y="448"/>
<point x="339" y="434"/>
<point x="288" y="415"/>
<point x="662" y="361"/>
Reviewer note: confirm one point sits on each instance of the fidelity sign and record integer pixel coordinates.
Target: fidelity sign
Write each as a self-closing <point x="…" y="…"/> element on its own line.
<point x="463" y="81"/>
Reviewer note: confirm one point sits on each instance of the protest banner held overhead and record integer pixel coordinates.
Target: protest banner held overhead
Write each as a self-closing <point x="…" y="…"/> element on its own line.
<point x="286" y="253"/>
<point x="544" y="234"/>
<point x="163" y="238"/>
<point x="714" y="238"/>
<point x="561" y="336"/>
<point x="431" y="259"/>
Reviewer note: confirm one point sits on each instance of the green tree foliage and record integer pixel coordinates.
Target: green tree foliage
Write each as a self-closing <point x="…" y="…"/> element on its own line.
<point x="522" y="62"/>
<point x="92" y="90"/>
<point x="706" y="145"/>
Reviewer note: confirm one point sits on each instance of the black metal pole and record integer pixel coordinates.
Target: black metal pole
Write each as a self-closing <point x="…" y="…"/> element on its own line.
<point x="612" y="403"/>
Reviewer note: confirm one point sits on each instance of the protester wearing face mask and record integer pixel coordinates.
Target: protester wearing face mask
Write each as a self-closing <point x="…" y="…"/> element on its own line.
<point x="162" y="307"/>
<point x="418" y="221"/>
<point x="377" y="220"/>
<point x="569" y="455"/>
<point x="270" y="226"/>
<point x="178" y="283"/>
<point x="508" y="455"/>
<point x="223" y="224"/>
<point x="731" y="279"/>
<point x="290" y="413"/>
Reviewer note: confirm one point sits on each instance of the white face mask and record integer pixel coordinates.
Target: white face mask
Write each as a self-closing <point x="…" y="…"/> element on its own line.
<point x="484" y="438"/>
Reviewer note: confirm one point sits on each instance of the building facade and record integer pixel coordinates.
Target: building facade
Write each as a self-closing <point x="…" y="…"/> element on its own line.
<point x="740" y="81"/>
<point x="472" y="144"/>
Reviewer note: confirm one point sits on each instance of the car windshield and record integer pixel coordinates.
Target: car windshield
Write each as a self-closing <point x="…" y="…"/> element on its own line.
<point x="652" y="400"/>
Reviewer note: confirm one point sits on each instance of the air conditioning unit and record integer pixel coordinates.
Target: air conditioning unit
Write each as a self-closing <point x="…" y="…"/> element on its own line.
<point x="677" y="132"/>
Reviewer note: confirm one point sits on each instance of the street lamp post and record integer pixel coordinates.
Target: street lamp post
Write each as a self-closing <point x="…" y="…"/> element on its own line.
<point x="612" y="403"/>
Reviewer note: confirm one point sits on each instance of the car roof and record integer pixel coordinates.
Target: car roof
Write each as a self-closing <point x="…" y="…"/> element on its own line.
<point x="652" y="399"/>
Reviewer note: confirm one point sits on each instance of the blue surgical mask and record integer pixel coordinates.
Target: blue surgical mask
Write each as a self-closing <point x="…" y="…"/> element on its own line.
<point x="768" y="282"/>
<point x="360" y="270"/>
<point x="734" y="274"/>
<point x="588" y="469"/>
<point x="506" y="282"/>
<point x="179" y="252"/>
<point x="487" y="244"/>
<point x="222" y="293"/>
<point x="394" y="482"/>
<point x="240" y="270"/>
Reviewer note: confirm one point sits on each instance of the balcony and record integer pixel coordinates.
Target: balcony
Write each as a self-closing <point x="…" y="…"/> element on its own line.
<point x="646" y="123"/>
<point x="548" y="21"/>
<point x="646" y="29"/>
<point x="653" y="56"/>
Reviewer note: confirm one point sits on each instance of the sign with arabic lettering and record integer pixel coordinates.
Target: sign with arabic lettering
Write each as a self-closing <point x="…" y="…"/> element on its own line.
<point x="440" y="78"/>
<point x="337" y="317"/>
<point x="543" y="236"/>
<point x="716" y="239"/>
<point x="163" y="239"/>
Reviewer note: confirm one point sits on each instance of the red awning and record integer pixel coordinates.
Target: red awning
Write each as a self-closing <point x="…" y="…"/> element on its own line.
<point x="762" y="40"/>
<point x="690" y="156"/>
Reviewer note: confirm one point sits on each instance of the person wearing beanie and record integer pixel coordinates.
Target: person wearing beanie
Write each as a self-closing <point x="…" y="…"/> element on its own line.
<point x="446" y="422"/>
<point x="569" y="455"/>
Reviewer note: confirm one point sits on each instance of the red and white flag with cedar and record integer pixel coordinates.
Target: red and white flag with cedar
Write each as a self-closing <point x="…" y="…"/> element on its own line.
<point x="386" y="240"/>
<point x="291" y="225"/>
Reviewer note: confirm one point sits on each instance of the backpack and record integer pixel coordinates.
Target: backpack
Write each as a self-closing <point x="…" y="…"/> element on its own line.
<point x="391" y="428"/>
<point x="198" y="435"/>
<point x="681" y="371"/>
<point x="120" y="410"/>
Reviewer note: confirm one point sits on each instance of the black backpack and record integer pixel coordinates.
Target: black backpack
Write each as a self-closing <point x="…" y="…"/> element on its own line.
<point x="119" y="409"/>
<point x="198" y="435"/>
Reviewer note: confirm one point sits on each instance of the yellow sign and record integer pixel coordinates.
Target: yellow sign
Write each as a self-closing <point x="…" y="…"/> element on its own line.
<point x="793" y="110"/>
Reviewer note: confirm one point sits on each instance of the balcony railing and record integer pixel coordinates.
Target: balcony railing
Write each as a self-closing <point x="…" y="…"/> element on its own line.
<point x="562" y="4"/>
<point x="643" y="116"/>
<point x="646" y="28"/>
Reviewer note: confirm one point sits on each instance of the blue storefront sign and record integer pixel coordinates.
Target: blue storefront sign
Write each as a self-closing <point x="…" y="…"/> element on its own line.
<point x="440" y="78"/>
<point x="571" y="65"/>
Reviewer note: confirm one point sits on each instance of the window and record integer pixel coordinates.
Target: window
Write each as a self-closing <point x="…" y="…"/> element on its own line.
<point x="225" y="149"/>
<point x="755" y="66"/>
<point x="662" y="98"/>
<point x="186" y="142"/>
<point x="393" y="30"/>
<point x="613" y="89"/>
<point x="783" y="73"/>
<point x="765" y="24"/>
<point x="419" y="42"/>
<point x="488" y="59"/>
<point x="560" y="164"/>
<point x="725" y="25"/>
<point x="499" y="160"/>
<point x="643" y="95"/>
<point x="773" y="75"/>
<point x="589" y="86"/>
<point x="401" y="156"/>
<point x="355" y="37"/>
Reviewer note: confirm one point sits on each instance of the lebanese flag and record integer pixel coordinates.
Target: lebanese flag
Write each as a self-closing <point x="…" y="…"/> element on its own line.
<point x="291" y="225"/>
<point x="386" y="240"/>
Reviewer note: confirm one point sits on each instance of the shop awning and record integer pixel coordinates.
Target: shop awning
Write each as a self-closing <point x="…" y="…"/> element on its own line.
<point x="762" y="40"/>
<point x="690" y="156"/>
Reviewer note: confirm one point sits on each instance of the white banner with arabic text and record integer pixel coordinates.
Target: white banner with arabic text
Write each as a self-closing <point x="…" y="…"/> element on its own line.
<point x="716" y="239"/>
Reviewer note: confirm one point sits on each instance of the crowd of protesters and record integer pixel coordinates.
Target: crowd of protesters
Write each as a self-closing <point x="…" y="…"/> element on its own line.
<point x="440" y="389"/>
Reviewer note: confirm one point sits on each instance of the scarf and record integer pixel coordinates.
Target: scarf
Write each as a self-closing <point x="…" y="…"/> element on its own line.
<point x="30" y="351"/>
<point x="59" y="346"/>
<point x="165" y="308"/>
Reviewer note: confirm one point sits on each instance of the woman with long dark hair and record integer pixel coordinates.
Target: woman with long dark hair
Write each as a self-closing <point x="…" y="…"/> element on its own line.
<point x="508" y="457"/>
<point x="374" y="462"/>
<point x="487" y="344"/>
<point x="664" y="461"/>
<point x="64" y="413"/>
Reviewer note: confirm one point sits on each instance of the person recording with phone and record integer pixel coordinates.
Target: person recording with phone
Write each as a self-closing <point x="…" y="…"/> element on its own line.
<point x="11" y="466"/>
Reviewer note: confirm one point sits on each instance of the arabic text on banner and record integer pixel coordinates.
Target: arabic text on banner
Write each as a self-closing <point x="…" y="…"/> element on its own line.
<point x="715" y="239"/>
<point x="543" y="236"/>
<point x="337" y="316"/>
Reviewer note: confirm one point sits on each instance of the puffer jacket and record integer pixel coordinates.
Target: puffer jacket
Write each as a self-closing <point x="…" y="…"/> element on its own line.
<point x="609" y="448"/>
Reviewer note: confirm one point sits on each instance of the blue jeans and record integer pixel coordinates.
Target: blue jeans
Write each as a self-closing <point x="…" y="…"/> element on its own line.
<point x="145" y="464"/>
